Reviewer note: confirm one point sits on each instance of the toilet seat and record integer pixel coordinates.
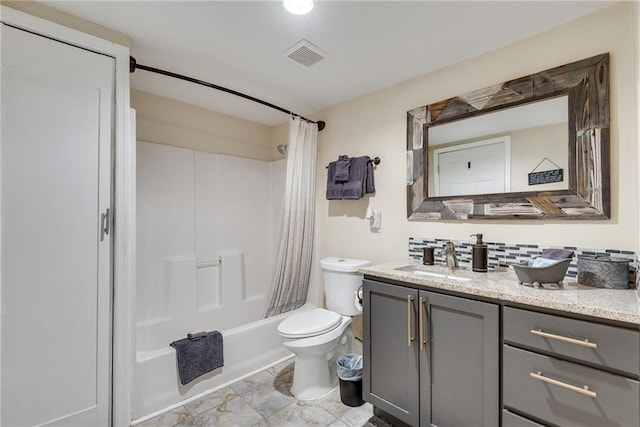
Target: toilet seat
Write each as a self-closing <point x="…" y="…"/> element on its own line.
<point x="309" y="323"/>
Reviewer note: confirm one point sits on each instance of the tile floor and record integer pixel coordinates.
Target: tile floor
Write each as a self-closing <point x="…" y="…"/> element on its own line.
<point x="264" y="400"/>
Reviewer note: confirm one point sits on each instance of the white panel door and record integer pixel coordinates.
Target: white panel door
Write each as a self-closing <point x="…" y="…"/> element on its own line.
<point x="476" y="168"/>
<point x="57" y="108"/>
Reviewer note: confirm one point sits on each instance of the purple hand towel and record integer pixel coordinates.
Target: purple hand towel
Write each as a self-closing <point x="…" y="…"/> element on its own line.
<point x="334" y="189"/>
<point x="356" y="187"/>
<point x="371" y="186"/>
<point x="556" y="254"/>
<point x="342" y="169"/>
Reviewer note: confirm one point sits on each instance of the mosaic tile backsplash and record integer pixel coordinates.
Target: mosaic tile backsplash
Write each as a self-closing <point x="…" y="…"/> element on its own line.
<point x="504" y="254"/>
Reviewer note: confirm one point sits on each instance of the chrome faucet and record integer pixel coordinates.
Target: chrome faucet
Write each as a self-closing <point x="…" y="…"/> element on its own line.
<point x="449" y="253"/>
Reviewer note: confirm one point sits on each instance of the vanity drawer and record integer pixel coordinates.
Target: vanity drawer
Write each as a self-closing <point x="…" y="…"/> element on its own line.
<point x="609" y="346"/>
<point x="541" y="387"/>
<point x="510" y="419"/>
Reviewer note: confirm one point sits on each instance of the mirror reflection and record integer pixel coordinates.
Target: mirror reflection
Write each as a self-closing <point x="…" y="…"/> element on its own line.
<point x="496" y="152"/>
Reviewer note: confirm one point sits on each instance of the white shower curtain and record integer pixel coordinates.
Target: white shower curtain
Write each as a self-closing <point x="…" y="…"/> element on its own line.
<point x="291" y="280"/>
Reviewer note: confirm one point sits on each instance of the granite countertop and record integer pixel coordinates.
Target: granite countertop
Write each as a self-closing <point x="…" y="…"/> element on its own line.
<point x="503" y="285"/>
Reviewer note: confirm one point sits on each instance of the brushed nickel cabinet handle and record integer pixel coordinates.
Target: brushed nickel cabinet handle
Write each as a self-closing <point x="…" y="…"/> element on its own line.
<point x="582" y="343"/>
<point x="421" y="312"/>
<point x="409" y="309"/>
<point x="582" y="390"/>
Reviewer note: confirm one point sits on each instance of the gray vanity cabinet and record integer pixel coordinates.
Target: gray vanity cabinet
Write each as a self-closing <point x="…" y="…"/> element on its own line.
<point x="431" y="359"/>
<point x="568" y="372"/>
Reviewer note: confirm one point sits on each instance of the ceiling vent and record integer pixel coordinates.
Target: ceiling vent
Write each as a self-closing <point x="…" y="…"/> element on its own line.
<point x="305" y="53"/>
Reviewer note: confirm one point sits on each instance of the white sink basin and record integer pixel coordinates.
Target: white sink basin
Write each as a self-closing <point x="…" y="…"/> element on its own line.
<point x="421" y="271"/>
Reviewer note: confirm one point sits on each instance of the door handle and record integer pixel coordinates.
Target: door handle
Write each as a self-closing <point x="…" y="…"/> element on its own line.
<point x="409" y="329"/>
<point x="105" y="222"/>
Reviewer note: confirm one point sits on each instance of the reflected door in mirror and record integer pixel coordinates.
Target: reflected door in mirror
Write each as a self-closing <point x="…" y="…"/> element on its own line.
<point x="476" y="168"/>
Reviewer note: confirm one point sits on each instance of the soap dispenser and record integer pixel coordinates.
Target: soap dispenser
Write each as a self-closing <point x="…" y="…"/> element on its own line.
<point x="479" y="255"/>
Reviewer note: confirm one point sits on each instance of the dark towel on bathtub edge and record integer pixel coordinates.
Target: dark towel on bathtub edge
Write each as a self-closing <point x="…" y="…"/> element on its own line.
<point x="198" y="356"/>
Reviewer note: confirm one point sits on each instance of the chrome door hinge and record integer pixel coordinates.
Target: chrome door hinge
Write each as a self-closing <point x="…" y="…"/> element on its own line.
<point x="105" y="224"/>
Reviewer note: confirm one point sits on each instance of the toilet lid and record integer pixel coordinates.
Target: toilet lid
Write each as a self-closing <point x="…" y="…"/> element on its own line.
<point x="309" y="323"/>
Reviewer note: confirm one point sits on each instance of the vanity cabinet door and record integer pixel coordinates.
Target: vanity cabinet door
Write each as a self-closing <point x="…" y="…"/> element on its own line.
<point x="391" y="371"/>
<point x="460" y="365"/>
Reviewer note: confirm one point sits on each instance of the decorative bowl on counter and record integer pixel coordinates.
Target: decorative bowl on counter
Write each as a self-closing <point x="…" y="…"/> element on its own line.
<point x="537" y="276"/>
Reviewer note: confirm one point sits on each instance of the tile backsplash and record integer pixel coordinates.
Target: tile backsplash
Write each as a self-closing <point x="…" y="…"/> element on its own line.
<point x="504" y="254"/>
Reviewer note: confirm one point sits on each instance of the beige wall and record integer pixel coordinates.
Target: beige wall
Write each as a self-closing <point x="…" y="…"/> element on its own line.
<point x="170" y="122"/>
<point x="530" y="146"/>
<point x="71" y="21"/>
<point x="375" y="125"/>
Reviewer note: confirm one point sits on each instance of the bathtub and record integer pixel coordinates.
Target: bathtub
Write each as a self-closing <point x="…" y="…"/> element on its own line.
<point x="247" y="349"/>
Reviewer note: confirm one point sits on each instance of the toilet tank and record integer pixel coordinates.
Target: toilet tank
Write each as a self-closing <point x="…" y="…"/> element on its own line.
<point x="341" y="282"/>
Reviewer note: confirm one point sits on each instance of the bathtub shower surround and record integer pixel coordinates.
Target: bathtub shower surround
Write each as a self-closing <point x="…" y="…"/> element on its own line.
<point x="503" y="254"/>
<point x="207" y="234"/>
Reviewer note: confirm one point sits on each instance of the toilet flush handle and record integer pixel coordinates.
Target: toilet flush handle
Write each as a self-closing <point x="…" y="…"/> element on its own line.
<point x="360" y="294"/>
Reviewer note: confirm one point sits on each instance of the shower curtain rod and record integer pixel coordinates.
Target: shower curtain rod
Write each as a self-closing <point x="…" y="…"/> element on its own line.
<point x="133" y="66"/>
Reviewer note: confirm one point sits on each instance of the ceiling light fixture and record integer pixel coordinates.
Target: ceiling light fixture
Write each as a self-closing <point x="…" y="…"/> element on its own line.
<point x="298" y="7"/>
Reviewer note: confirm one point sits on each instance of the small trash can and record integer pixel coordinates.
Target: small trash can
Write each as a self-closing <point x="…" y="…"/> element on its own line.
<point x="350" y="376"/>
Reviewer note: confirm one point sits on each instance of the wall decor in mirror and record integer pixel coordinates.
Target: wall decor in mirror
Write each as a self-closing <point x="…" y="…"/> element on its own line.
<point x="473" y="156"/>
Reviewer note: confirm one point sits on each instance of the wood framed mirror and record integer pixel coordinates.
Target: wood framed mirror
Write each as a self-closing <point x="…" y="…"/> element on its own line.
<point x="576" y="186"/>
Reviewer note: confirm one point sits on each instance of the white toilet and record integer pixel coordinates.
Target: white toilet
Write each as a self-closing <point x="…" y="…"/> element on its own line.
<point x="318" y="336"/>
